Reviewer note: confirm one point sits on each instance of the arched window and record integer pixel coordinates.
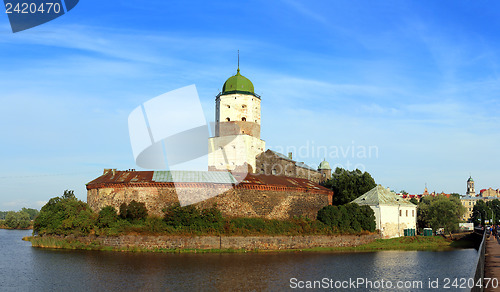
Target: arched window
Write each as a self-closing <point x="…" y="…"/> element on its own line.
<point x="228" y="106"/>
<point x="228" y="119"/>
<point x="244" y="106"/>
<point x="244" y="119"/>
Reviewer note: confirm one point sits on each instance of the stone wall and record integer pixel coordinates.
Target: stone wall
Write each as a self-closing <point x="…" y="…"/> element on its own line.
<point x="230" y="242"/>
<point x="269" y="163"/>
<point x="259" y="201"/>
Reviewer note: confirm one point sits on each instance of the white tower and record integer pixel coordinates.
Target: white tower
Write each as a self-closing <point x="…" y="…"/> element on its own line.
<point x="237" y="129"/>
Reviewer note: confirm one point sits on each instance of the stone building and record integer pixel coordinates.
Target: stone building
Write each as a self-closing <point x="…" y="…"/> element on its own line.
<point x="237" y="126"/>
<point x="242" y="179"/>
<point x="273" y="163"/>
<point x="470" y="188"/>
<point x="392" y="214"/>
<point x="265" y="196"/>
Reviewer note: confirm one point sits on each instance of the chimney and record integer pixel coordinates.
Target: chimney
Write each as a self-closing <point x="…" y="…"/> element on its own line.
<point x="290" y="155"/>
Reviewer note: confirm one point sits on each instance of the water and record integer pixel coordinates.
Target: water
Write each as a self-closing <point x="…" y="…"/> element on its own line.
<point x="24" y="268"/>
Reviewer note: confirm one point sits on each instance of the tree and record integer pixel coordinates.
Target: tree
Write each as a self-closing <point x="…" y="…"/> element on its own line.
<point x="440" y="212"/>
<point x="348" y="217"/>
<point x="348" y="185"/>
<point x="64" y="215"/>
<point x="31" y="212"/>
<point x="107" y="216"/>
<point x="414" y="201"/>
<point x="479" y="212"/>
<point x="17" y="220"/>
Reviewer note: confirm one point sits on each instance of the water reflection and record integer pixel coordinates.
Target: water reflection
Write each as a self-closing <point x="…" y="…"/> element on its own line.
<point x="58" y="270"/>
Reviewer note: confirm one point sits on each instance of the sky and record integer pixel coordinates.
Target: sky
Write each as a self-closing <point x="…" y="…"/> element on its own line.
<point x="405" y="90"/>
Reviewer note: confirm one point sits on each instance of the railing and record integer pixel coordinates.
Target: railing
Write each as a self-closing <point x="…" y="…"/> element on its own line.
<point x="479" y="274"/>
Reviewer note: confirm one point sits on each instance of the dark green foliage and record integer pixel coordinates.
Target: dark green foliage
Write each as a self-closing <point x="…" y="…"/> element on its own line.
<point x="348" y="217"/>
<point x="136" y="211"/>
<point x="32" y="213"/>
<point x="17" y="220"/>
<point x="439" y="212"/>
<point x="107" y="216"/>
<point x="348" y="185"/>
<point x="3" y="214"/>
<point x="191" y="218"/>
<point x="64" y="215"/>
<point x="414" y="201"/>
<point x="123" y="210"/>
<point x="133" y="211"/>
<point x="486" y="211"/>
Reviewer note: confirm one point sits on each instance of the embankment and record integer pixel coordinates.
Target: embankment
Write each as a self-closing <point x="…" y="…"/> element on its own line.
<point x="200" y="243"/>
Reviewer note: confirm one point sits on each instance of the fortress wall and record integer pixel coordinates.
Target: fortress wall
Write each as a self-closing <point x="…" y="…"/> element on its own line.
<point x="228" y="242"/>
<point x="238" y="202"/>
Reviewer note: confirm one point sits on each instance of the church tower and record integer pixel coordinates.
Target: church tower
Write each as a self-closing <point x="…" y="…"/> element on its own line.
<point x="325" y="170"/>
<point x="237" y="126"/>
<point x="470" y="187"/>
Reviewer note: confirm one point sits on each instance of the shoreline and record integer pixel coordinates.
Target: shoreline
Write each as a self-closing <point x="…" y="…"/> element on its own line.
<point x="413" y="243"/>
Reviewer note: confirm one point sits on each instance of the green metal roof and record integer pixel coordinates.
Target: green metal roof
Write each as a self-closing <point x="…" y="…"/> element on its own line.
<point x="324" y="165"/>
<point x="179" y="176"/>
<point x="238" y="84"/>
<point x="381" y="196"/>
<point x="470" y="179"/>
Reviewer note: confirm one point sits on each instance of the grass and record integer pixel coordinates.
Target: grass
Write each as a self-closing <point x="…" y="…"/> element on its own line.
<point x="431" y="243"/>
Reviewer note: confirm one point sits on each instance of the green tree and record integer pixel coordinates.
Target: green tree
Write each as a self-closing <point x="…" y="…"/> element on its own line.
<point x="348" y="185"/>
<point x="445" y="213"/>
<point x="17" y="220"/>
<point x="64" y="215"/>
<point x="107" y="216"/>
<point x="348" y="217"/>
<point x="133" y="211"/>
<point x="479" y="212"/>
<point x="31" y="212"/>
<point x="414" y="201"/>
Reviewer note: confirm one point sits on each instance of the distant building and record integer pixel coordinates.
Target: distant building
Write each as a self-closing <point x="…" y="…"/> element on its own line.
<point x="490" y="193"/>
<point x="392" y="214"/>
<point x="470" y="188"/>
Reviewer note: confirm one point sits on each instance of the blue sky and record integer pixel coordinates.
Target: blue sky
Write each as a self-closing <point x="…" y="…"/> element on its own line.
<point x="417" y="81"/>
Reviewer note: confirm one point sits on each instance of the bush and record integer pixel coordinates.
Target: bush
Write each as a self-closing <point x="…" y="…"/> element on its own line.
<point x="348" y="217"/>
<point x="133" y="211"/>
<point x="191" y="218"/>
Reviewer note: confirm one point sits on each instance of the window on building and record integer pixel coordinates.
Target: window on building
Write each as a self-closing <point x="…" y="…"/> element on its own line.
<point x="228" y="119"/>
<point x="412" y="213"/>
<point x="400" y="213"/>
<point x="244" y="119"/>
<point x="406" y="213"/>
<point x="243" y="106"/>
<point x="274" y="171"/>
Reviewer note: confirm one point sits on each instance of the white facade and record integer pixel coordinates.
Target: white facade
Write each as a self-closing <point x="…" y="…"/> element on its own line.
<point x="228" y="152"/>
<point x="392" y="214"/>
<point x="237" y="130"/>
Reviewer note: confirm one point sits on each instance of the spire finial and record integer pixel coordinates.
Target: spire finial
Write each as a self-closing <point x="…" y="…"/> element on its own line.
<point x="238" y="71"/>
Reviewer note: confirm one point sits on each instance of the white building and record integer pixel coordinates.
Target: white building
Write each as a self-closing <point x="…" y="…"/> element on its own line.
<point x="237" y="132"/>
<point x="392" y="213"/>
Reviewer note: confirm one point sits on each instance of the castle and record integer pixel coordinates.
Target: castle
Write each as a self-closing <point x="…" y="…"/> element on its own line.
<point x="242" y="178"/>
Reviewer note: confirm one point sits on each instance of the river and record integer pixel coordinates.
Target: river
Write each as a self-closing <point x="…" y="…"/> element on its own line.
<point x="24" y="268"/>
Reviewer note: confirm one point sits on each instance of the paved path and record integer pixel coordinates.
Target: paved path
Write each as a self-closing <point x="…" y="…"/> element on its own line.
<point x="492" y="260"/>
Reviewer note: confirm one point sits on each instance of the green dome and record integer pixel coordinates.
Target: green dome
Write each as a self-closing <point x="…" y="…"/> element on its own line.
<point x="238" y="84"/>
<point x="324" y="165"/>
<point x="470" y="179"/>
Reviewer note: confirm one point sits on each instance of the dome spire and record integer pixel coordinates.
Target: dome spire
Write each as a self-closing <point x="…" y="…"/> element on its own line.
<point x="238" y="71"/>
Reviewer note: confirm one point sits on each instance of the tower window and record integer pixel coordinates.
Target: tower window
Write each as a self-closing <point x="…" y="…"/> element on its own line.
<point x="228" y="106"/>
<point x="244" y="106"/>
<point x="228" y="119"/>
<point x="244" y="119"/>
